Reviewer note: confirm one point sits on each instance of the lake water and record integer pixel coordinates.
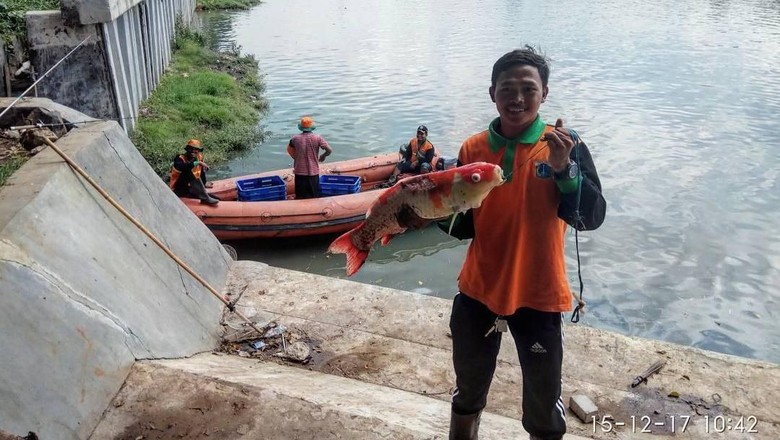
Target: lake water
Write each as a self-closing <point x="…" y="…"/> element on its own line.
<point x="678" y="101"/>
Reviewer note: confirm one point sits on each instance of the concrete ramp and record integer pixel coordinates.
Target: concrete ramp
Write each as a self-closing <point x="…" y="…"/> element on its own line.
<point x="83" y="293"/>
<point x="227" y="397"/>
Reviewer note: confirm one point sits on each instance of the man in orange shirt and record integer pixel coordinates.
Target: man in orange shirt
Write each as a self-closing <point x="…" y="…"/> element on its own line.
<point x="514" y="274"/>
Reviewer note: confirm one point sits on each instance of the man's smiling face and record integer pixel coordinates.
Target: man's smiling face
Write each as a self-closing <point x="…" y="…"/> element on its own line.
<point x="518" y="94"/>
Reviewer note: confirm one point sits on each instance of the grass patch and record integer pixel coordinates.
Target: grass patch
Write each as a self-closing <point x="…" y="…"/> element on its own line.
<point x="12" y="22"/>
<point x="216" y="97"/>
<point x="9" y="166"/>
<point x="211" y="5"/>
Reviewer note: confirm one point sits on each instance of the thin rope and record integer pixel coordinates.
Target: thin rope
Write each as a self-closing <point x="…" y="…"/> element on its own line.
<point x="44" y="76"/>
<point x="148" y="233"/>
<point x="578" y="222"/>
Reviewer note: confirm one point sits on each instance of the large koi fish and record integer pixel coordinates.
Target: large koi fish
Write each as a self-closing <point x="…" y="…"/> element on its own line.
<point x="429" y="196"/>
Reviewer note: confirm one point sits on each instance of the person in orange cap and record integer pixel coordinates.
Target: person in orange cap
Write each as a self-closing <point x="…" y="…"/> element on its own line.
<point x="304" y="148"/>
<point x="188" y="174"/>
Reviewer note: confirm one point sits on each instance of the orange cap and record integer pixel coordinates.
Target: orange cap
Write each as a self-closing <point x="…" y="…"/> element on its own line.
<point x="307" y="124"/>
<point x="194" y="143"/>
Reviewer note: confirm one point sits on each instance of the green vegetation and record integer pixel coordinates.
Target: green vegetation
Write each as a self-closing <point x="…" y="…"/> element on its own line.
<point x="9" y="166"/>
<point x="216" y="97"/>
<point x="227" y="4"/>
<point x="12" y="22"/>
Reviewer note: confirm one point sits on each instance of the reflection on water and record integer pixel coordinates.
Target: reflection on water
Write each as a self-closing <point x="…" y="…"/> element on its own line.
<point x="677" y="100"/>
<point x="405" y="253"/>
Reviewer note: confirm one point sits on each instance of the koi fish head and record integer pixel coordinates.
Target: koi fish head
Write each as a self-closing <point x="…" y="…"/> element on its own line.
<point x="471" y="183"/>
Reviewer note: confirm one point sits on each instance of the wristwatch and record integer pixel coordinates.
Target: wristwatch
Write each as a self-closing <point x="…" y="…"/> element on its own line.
<point x="570" y="172"/>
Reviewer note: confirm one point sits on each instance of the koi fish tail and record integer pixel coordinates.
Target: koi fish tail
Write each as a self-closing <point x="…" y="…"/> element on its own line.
<point x="355" y="256"/>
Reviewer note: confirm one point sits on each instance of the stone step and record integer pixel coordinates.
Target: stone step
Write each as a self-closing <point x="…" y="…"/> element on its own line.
<point x="228" y="397"/>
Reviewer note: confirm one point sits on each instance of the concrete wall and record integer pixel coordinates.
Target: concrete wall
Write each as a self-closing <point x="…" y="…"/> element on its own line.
<point x="83" y="80"/>
<point x="119" y="67"/>
<point x="83" y="293"/>
<point x="94" y="11"/>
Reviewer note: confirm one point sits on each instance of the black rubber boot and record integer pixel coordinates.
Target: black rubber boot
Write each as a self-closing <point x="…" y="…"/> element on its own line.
<point x="464" y="427"/>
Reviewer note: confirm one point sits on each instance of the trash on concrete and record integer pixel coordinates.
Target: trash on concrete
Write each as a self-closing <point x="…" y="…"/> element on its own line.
<point x="277" y="340"/>
<point x="298" y="352"/>
<point x="33" y="137"/>
<point x="647" y="373"/>
<point x="275" y="331"/>
<point x="583" y="407"/>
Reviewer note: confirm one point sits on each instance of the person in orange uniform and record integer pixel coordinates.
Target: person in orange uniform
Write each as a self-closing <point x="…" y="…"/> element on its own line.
<point x="188" y="174"/>
<point x="514" y="275"/>
<point x="418" y="156"/>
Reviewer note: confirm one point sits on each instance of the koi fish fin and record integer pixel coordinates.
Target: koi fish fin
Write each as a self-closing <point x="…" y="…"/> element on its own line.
<point x="386" y="239"/>
<point x="452" y="223"/>
<point x="355" y="256"/>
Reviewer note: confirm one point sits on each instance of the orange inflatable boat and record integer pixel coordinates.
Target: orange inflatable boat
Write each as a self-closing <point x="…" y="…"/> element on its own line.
<point x="232" y="219"/>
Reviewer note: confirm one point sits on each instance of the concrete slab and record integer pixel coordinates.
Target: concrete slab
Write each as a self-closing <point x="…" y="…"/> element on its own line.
<point x="399" y="339"/>
<point x="83" y="12"/>
<point x="235" y="398"/>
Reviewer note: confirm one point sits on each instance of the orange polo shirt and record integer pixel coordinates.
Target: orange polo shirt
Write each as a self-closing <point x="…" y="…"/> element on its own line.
<point x="516" y="258"/>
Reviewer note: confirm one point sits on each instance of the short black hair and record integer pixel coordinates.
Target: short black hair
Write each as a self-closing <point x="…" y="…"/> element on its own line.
<point x="527" y="56"/>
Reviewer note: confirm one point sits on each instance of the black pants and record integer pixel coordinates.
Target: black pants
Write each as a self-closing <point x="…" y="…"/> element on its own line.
<point x="198" y="190"/>
<point x="307" y="187"/>
<point x="539" y="340"/>
<point x="407" y="167"/>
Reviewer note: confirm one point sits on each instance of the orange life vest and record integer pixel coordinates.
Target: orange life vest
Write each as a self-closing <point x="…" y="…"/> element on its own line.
<point x="195" y="170"/>
<point x="427" y="145"/>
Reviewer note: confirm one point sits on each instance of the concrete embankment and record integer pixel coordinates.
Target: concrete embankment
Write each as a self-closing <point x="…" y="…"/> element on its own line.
<point x="382" y="367"/>
<point x="83" y="293"/>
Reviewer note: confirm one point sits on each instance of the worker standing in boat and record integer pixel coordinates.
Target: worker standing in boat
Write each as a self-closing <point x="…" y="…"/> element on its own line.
<point x="418" y="156"/>
<point x="304" y="148"/>
<point x="188" y="174"/>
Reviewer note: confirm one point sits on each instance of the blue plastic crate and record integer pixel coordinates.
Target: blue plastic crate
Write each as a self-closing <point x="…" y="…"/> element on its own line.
<point x="261" y="189"/>
<point x="334" y="184"/>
